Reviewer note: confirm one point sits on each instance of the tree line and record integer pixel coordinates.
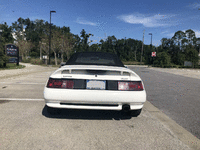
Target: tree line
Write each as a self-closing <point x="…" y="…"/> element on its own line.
<point x="32" y="38"/>
<point x="183" y="46"/>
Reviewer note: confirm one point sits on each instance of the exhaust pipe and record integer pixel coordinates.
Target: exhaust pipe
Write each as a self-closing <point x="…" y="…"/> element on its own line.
<point x="126" y="107"/>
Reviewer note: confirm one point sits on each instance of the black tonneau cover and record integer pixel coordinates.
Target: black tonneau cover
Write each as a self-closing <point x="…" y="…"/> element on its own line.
<point x="95" y="58"/>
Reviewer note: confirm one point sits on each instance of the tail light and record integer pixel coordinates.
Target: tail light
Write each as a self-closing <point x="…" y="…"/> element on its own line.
<point x="59" y="83"/>
<point x="130" y="86"/>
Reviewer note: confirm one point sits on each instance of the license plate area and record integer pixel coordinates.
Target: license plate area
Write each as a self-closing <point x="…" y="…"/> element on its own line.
<point x="96" y="85"/>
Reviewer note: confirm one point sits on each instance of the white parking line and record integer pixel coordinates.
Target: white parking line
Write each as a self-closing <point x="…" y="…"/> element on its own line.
<point x="20" y="83"/>
<point x="21" y="99"/>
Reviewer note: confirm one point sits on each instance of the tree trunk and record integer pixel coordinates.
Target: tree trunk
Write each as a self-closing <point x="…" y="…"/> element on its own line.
<point x="56" y="63"/>
<point x="62" y="56"/>
<point x="135" y="56"/>
<point x="22" y="57"/>
<point x="26" y="55"/>
<point x="67" y="54"/>
<point x="40" y="53"/>
<point x="46" y="59"/>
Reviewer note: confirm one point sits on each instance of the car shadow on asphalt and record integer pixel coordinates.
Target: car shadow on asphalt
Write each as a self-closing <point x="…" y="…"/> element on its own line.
<point x="86" y="114"/>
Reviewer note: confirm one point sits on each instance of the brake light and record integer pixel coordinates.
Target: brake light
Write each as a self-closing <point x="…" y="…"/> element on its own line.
<point x="59" y="83"/>
<point x="130" y="86"/>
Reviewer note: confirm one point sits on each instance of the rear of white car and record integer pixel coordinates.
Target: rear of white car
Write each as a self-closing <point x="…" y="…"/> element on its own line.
<point x="98" y="87"/>
<point x="95" y="87"/>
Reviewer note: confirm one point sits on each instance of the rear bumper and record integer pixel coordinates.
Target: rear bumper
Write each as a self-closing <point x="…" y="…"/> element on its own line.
<point x="78" y="99"/>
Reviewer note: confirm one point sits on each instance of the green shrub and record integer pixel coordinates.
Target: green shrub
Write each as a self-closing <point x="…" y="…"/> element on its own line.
<point x="26" y="60"/>
<point x="36" y="61"/>
<point x="162" y="60"/>
<point x="53" y="61"/>
<point x="132" y="63"/>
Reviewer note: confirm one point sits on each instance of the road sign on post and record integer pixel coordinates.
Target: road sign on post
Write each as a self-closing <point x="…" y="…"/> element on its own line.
<point x="153" y="54"/>
<point x="13" y="51"/>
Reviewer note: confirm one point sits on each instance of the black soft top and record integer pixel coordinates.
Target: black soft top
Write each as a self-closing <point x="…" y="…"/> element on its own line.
<point x="95" y="58"/>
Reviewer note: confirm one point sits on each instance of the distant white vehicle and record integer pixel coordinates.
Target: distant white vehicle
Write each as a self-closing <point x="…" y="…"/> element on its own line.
<point x="95" y="80"/>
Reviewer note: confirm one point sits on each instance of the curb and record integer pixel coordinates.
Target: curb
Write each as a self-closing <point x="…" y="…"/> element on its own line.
<point x="182" y="134"/>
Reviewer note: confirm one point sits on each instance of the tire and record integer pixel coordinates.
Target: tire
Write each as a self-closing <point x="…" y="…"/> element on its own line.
<point x="134" y="113"/>
<point x="53" y="111"/>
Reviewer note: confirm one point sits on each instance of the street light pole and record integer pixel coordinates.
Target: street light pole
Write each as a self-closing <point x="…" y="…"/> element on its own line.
<point x="50" y="36"/>
<point x="151" y="38"/>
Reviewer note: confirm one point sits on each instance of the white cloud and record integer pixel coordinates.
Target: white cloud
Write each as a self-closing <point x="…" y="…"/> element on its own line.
<point x="150" y="21"/>
<point x="194" y="6"/>
<point x="170" y="35"/>
<point x="164" y="32"/>
<point x="83" y="21"/>
<point x="197" y="33"/>
<point x="167" y="33"/>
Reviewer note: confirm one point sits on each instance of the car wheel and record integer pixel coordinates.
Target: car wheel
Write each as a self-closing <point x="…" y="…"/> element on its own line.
<point x="53" y="111"/>
<point x="134" y="113"/>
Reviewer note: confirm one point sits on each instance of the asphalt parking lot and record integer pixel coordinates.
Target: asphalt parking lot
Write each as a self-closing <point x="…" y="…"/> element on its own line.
<point x="25" y="123"/>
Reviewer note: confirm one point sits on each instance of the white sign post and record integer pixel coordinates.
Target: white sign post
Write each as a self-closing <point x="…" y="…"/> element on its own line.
<point x="153" y="54"/>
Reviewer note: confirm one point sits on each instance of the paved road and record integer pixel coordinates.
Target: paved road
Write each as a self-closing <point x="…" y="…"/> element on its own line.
<point x="177" y="96"/>
<point x="25" y="123"/>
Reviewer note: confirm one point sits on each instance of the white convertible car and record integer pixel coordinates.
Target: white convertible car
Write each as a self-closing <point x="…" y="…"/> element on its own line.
<point x="95" y="80"/>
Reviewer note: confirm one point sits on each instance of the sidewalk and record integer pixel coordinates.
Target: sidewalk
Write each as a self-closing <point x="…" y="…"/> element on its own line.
<point x="173" y="129"/>
<point x="192" y="73"/>
<point x="187" y="72"/>
<point x="28" y="69"/>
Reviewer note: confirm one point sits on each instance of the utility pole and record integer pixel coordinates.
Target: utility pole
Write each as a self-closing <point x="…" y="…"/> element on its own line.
<point x="89" y="40"/>
<point x="40" y="52"/>
<point x="142" y="48"/>
<point x="62" y="47"/>
<point x="135" y="52"/>
<point x="151" y="46"/>
<point x="50" y="36"/>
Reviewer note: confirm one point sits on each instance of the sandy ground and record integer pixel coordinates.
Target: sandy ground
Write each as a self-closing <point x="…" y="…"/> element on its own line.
<point x="28" y="69"/>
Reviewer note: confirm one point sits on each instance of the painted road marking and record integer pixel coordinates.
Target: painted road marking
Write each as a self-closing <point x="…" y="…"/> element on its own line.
<point x="21" y="83"/>
<point x="21" y="99"/>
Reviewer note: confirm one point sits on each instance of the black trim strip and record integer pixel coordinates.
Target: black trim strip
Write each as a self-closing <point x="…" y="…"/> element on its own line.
<point x="80" y="104"/>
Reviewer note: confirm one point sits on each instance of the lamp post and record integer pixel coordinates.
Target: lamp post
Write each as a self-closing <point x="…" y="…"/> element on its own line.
<point x="50" y="36"/>
<point x="151" y="38"/>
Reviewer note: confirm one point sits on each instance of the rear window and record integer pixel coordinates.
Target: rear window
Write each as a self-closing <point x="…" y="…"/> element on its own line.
<point x="95" y="58"/>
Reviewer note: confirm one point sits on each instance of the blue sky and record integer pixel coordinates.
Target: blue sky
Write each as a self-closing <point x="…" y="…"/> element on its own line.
<point x="121" y="18"/>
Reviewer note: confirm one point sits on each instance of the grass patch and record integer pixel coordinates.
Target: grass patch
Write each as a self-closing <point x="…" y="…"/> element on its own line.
<point x="132" y="63"/>
<point x="176" y="66"/>
<point x="12" y="66"/>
